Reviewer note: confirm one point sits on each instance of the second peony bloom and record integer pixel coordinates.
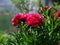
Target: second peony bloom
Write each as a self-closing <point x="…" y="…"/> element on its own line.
<point x="34" y="20"/>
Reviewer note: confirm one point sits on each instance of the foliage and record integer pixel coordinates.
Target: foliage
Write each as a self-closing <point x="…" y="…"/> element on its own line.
<point x="56" y="5"/>
<point x="22" y="5"/>
<point x="3" y="38"/>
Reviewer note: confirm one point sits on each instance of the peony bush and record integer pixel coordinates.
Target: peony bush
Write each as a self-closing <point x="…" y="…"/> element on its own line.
<point x="38" y="28"/>
<point x="42" y="28"/>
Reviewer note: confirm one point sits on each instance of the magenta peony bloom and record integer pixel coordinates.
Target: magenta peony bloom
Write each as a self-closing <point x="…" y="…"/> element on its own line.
<point x="40" y="10"/>
<point x="14" y="22"/>
<point x="54" y="16"/>
<point x="58" y="13"/>
<point x="16" y="18"/>
<point x="46" y="7"/>
<point x="34" y="20"/>
<point x="58" y="43"/>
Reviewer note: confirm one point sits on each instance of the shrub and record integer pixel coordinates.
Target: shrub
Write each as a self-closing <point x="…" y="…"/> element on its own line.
<point x="40" y="28"/>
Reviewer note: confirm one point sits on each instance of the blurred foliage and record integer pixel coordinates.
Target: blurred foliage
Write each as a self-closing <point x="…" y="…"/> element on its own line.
<point x="56" y="0"/>
<point x="3" y="38"/>
<point x="56" y="5"/>
<point x="22" y="5"/>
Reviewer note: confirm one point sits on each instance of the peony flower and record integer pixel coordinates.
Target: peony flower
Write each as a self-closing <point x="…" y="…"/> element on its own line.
<point x="53" y="16"/>
<point x="17" y="18"/>
<point x="40" y="10"/>
<point x="46" y="7"/>
<point x="58" y="13"/>
<point x="34" y="20"/>
<point x="58" y="43"/>
<point x="14" y="21"/>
